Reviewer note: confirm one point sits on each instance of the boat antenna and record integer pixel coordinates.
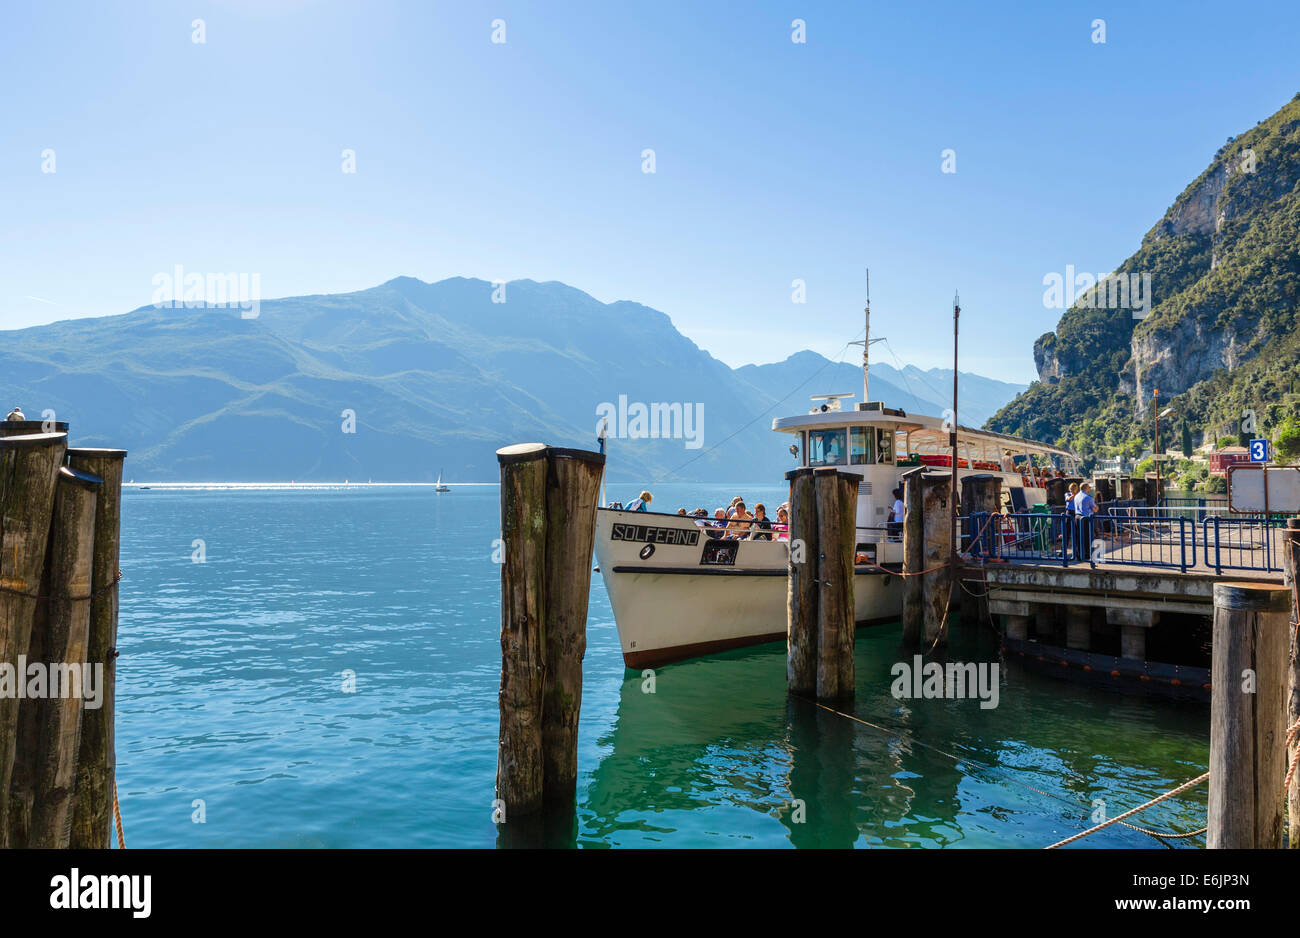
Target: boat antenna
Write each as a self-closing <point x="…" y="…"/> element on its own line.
<point x="866" y="341"/>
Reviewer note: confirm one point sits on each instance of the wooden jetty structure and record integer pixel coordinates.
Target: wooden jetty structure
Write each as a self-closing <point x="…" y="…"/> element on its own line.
<point x="60" y="516"/>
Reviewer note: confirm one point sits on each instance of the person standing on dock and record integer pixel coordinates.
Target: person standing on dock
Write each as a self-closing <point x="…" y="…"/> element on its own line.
<point x="1084" y="508"/>
<point x="1071" y="527"/>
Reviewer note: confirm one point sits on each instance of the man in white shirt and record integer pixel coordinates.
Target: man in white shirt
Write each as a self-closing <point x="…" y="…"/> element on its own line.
<point x="896" y="517"/>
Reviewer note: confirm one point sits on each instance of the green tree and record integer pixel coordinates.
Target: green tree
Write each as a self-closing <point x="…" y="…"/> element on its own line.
<point x="1216" y="485"/>
<point x="1288" y="439"/>
<point x="1187" y="440"/>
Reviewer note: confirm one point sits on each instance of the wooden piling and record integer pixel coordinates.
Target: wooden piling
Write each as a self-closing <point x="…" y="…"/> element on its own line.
<point x="848" y="524"/>
<point x="523" y="608"/>
<point x="52" y="749"/>
<point x="1247" y="715"/>
<point x="548" y="523"/>
<point x="1291" y="555"/>
<point x="937" y="583"/>
<point x="29" y="468"/>
<point x="801" y="597"/>
<point x="913" y="556"/>
<point x="835" y="500"/>
<point x="92" y="807"/>
<point x="572" y="494"/>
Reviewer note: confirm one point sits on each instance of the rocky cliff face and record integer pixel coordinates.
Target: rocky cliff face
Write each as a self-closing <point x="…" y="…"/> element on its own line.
<point x="1224" y="263"/>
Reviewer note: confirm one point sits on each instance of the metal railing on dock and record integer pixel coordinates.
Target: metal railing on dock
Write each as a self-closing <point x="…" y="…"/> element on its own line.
<point x="1131" y="534"/>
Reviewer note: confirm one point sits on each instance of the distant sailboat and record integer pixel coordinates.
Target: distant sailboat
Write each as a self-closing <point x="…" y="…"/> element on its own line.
<point x="439" y="487"/>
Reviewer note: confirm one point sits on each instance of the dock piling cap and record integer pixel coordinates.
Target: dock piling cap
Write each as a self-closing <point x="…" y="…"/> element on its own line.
<point x="96" y="452"/>
<point x="1252" y="597"/>
<point x="521" y="452"/>
<point x="83" y="479"/>
<point x="31" y="439"/>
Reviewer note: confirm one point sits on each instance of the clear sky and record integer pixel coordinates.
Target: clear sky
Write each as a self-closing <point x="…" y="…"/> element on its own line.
<point x="774" y="160"/>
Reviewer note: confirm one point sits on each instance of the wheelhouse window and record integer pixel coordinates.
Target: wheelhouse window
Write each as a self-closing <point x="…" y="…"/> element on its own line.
<point x="884" y="446"/>
<point x="862" y="452"/>
<point x="827" y="448"/>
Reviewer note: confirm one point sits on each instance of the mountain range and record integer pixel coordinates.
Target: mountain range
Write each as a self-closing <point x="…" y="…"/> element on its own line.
<point x="406" y="379"/>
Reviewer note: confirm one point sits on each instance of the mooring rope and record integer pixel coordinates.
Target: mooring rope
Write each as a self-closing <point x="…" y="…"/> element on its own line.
<point x="1142" y="807"/>
<point x="117" y="816"/>
<point x="1158" y="835"/>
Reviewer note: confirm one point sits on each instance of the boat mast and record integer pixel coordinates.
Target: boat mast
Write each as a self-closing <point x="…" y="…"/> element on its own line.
<point x="866" y="340"/>
<point x="866" y="344"/>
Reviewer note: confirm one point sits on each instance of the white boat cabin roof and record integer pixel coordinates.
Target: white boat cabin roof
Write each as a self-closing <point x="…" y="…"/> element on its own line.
<point x="921" y="433"/>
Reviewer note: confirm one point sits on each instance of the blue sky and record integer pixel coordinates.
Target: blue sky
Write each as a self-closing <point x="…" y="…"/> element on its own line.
<point x="775" y="160"/>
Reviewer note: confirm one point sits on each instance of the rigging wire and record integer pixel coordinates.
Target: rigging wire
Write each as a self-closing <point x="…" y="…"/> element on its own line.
<point x="704" y="452"/>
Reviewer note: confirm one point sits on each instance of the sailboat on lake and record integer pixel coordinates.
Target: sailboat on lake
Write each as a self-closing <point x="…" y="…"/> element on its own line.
<point x="439" y="487"/>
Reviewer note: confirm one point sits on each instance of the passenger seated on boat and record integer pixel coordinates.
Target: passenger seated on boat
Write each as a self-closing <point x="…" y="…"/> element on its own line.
<point x="682" y="512"/>
<point x="1008" y="464"/>
<point x="640" y="504"/>
<point x="782" y="525"/>
<point x="701" y="516"/>
<point x="762" y="526"/>
<point x="731" y="509"/>
<point x="738" y="527"/>
<point x="719" y="527"/>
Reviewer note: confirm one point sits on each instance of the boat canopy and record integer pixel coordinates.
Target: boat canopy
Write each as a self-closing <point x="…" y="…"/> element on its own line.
<point x="917" y="435"/>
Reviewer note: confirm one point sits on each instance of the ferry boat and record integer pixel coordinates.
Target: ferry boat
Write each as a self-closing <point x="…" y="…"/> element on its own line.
<point x="679" y="591"/>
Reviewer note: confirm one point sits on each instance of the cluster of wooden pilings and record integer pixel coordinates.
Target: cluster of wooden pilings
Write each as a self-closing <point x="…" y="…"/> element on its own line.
<point x="60" y="513"/>
<point x="820" y="621"/>
<point x="548" y="522"/>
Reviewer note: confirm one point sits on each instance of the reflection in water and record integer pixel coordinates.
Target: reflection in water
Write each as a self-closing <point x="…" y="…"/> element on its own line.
<point x="719" y="754"/>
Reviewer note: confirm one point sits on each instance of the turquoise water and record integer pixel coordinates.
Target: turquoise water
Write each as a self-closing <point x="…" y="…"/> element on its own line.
<point x="230" y="692"/>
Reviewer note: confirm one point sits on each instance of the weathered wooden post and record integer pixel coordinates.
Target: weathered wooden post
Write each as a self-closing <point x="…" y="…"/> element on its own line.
<point x="92" y="807"/>
<point x="1124" y="488"/>
<point x="913" y="556"/>
<point x="572" y="493"/>
<point x="1291" y="555"/>
<point x="980" y="493"/>
<point x="1247" y="715"/>
<point x="29" y="468"/>
<point x="45" y="768"/>
<point x="936" y="584"/>
<point x="801" y="598"/>
<point x="837" y="505"/>
<point x="523" y="610"/>
<point x="548" y="519"/>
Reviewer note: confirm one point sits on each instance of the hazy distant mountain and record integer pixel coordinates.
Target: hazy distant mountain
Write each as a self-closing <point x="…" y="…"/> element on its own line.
<point x="438" y="377"/>
<point x="913" y="390"/>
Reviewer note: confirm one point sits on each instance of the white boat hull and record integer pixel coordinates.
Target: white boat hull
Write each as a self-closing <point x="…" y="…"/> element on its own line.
<point x="672" y="600"/>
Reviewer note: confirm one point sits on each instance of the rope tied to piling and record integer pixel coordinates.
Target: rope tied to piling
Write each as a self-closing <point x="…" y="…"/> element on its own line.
<point x="93" y="594"/>
<point x="1142" y="807"/>
<point x="1158" y="835"/>
<point x="117" y="817"/>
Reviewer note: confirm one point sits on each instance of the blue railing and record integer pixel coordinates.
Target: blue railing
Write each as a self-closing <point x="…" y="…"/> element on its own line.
<point x="1126" y="534"/>
<point x="1240" y="543"/>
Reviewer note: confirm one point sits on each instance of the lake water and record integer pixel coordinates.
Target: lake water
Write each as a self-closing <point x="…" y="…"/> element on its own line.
<point x="231" y="704"/>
